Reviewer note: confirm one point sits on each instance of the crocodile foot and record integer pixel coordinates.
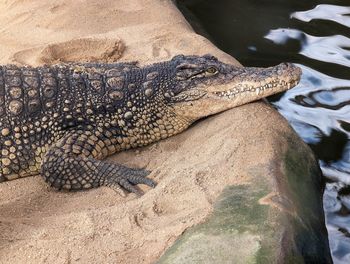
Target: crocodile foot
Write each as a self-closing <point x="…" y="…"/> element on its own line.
<point x="123" y="178"/>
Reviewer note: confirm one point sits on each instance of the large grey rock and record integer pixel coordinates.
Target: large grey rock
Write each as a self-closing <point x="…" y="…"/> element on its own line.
<point x="276" y="220"/>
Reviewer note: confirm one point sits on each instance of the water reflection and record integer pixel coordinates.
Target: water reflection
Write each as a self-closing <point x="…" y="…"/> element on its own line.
<point x="338" y="14"/>
<point x="336" y="208"/>
<point x="319" y="111"/>
<point x="330" y="49"/>
<point x="318" y="104"/>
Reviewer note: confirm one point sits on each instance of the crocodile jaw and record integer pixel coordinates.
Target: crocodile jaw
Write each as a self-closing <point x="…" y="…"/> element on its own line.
<point x="254" y="84"/>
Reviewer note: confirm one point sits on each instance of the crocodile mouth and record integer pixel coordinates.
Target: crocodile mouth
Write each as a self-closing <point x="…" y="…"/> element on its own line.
<point x="242" y="86"/>
<point x="242" y="89"/>
<point x="235" y="87"/>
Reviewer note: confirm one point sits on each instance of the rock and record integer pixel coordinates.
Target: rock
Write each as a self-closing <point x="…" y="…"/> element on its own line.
<point x="235" y="188"/>
<point x="263" y="221"/>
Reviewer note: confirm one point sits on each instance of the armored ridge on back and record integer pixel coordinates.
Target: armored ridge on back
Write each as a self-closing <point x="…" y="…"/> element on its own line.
<point x="63" y="120"/>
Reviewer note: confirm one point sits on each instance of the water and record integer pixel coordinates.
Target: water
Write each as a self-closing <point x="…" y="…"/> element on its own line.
<point x="316" y="36"/>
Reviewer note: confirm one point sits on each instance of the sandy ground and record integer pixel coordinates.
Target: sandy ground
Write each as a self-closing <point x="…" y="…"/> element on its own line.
<point x="40" y="225"/>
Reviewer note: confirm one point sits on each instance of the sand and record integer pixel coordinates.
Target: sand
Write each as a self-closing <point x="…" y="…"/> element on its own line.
<point x="41" y="225"/>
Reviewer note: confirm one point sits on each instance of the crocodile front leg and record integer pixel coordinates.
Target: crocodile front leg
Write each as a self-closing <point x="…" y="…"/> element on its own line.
<point x="74" y="163"/>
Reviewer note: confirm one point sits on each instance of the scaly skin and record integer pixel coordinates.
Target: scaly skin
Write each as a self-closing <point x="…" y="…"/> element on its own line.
<point x="62" y="121"/>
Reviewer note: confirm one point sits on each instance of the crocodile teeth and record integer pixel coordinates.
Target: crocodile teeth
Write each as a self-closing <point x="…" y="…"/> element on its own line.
<point x="258" y="90"/>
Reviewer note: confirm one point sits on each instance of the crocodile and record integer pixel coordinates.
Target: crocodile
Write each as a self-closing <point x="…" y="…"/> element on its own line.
<point x="62" y="121"/>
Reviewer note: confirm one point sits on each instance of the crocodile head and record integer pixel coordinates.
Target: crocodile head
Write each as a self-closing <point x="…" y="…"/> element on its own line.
<point x="202" y="86"/>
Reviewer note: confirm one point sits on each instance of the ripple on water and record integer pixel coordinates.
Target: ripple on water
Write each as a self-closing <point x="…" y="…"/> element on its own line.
<point x="319" y="110"/>
<point x="335" y="13"/>
<point x="336" y="208"/>
<point x="330" y="49"/>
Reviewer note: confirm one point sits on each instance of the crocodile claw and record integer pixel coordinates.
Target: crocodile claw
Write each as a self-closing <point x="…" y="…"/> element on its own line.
<point x="129" y="179"/>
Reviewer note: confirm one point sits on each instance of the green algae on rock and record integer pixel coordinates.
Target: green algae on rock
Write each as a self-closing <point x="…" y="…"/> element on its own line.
<point x="254" y="224"/>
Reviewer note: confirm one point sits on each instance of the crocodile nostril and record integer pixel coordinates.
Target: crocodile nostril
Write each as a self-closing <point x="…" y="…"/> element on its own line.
<point x="286" y="65"/>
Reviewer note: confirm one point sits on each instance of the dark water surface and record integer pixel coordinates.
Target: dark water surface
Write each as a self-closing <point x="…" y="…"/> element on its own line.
<point x="316" y="36"/>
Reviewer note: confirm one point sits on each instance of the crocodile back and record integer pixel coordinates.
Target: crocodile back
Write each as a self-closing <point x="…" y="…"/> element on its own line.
<point x="39" y="105"/>
<point x="28" y="102"/>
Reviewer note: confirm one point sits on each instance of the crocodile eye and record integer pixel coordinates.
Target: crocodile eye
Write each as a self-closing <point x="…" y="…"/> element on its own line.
<point x="211" y="70"/>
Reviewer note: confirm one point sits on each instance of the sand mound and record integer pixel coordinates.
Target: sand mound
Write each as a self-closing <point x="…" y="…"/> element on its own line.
<point x="38" y="224"/>
<point x="82" y="50"/>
